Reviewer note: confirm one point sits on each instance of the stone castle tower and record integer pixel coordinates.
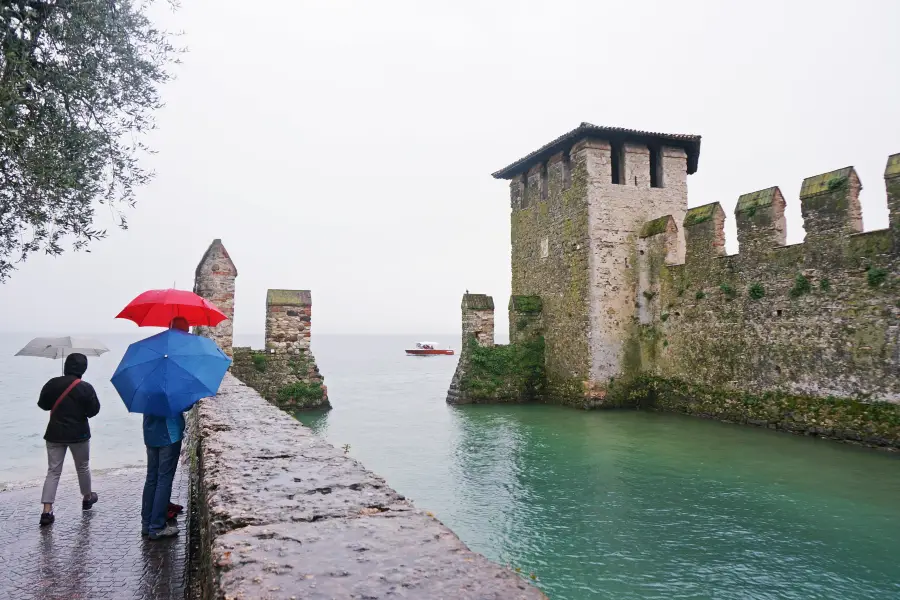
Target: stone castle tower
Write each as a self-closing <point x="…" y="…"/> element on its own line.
<point x="214" y="280"/>
<point x="578" y="203"/>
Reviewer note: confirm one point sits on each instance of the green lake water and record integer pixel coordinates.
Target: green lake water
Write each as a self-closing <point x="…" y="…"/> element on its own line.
<point x="621" y="504"/>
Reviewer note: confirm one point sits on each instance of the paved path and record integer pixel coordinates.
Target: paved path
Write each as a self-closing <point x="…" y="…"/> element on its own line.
<point x="96" y="554"/>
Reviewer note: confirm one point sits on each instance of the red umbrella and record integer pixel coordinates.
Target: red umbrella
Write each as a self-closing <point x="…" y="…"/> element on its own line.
<point x="157" y="308"/>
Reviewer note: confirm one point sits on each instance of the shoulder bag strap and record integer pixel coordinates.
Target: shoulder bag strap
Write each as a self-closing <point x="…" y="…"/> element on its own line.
<point x="63" y="395"/>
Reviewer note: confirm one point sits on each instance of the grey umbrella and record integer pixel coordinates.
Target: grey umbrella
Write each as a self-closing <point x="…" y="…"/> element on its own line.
<point x="60" y="347"/>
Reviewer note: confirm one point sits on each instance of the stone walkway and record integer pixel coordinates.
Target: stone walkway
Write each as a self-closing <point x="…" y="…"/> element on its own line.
<point x="97" y="554"/>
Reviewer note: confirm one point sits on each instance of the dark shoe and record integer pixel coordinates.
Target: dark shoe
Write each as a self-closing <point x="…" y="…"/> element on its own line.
<point x="145" y="533"/>
<point x="175" y="508"/>
<point x="87" y="504"/>
<point x="169" y="531"/>
<point x="47" y="519"/>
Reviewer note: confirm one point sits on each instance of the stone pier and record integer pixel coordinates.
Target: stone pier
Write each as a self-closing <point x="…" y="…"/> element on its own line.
<point x="284" y="515"/>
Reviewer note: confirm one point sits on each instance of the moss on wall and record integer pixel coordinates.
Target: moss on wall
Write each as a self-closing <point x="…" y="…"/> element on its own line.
<point x="873" y="423"/>
<point x="803" y="338"/>
<point x="288" y="380"/>
<point x="560" y="278"/>
<point x="503" y="373"/>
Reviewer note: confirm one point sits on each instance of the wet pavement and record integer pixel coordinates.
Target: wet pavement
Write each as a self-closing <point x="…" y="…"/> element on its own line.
<point x="97" y="554"/>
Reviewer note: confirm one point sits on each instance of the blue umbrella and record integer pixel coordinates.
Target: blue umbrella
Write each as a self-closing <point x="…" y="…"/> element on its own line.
<point x="169" y="372"/>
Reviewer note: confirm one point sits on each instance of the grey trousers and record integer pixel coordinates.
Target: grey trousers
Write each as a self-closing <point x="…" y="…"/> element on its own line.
<point x="56" y="454"/>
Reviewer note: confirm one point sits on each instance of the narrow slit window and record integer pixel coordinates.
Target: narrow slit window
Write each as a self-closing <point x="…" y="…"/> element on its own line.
<point x="566" y="171"/>
<point x="618" y="164"/>
<point x="656" y="170"/>
<point x="524" y="191"/>
<point x="545" y="185"/>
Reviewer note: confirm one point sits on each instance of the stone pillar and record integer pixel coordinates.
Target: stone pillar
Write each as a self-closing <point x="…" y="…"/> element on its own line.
<point x="478" y="319"/>
<point x="214" y="280"/>
<point x="525" y="318"/>
<point x="477" y="322"/>
<point x="288" y="321"/>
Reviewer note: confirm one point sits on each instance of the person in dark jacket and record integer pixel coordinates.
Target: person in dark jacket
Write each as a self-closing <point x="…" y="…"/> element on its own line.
<point x="70" y="404"/>
<point x="162" y="437"/>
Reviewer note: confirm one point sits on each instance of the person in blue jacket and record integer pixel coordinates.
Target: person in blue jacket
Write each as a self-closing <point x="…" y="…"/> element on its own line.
<point x="162" y="436"/>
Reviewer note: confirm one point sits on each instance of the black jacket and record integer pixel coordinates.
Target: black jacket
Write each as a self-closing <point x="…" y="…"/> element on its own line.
<point x="69" y="424"/>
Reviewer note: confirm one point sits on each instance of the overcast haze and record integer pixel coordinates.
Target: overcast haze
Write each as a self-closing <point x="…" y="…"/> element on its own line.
<point x="346" y="147"/>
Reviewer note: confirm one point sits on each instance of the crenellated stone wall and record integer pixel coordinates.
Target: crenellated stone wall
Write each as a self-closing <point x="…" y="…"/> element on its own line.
<point x="804" y="338"/>
<point x="642" y="306"/>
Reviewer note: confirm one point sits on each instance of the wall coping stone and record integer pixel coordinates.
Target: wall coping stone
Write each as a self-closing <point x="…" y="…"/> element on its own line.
<point x="288" y="298"/>
<point x="288" y="515"/>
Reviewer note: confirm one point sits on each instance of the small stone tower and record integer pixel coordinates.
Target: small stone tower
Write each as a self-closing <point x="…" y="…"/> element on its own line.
<point x="288" y="321"/>
<point x="478" y="319"/>
<point x="214" y="280"/>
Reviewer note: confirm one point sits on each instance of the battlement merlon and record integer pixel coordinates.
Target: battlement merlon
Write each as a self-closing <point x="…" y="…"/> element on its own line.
<point x="760" y="220"/>
<point x="704" y="231"/>
<point x="830" y="204"/>
<point x="666" y="228"/>
<point x="892" y="183"/>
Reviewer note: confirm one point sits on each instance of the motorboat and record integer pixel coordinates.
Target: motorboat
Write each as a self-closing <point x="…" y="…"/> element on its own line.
<point x="428" y="349"/>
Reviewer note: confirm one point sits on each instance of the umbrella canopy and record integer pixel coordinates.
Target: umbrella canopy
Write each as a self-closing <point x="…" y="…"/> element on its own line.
<point x="157" y="308"/>
<point x="167" y="373"/>
<point x="60" y="347"/>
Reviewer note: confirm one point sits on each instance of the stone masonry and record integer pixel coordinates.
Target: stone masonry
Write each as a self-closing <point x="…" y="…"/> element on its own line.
<point x="288" y="320"/>
<point x="284" y="515"/>
<point x="487" y="372"/>
<point x="477" y="327"/>
<point x="285" y="372"/>
<point x="214" y="280"/>
<point x="641" y="305"/>
<point x="577" y="206"/>
<point x="813" y="328"/>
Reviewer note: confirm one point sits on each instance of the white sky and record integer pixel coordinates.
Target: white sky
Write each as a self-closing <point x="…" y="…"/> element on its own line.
<point x="346" y="147"/>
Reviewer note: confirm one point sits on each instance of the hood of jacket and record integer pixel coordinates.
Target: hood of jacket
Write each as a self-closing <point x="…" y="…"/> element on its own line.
<point x="76" y="365"/>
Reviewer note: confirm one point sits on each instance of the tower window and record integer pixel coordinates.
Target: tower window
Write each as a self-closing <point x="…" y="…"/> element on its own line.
<point x="545" y="186"/>
<point x="566" y="171"/>
<point x="524" y="202"/>
<point x="618" y="163"/>
<point x="656" y="170"/>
